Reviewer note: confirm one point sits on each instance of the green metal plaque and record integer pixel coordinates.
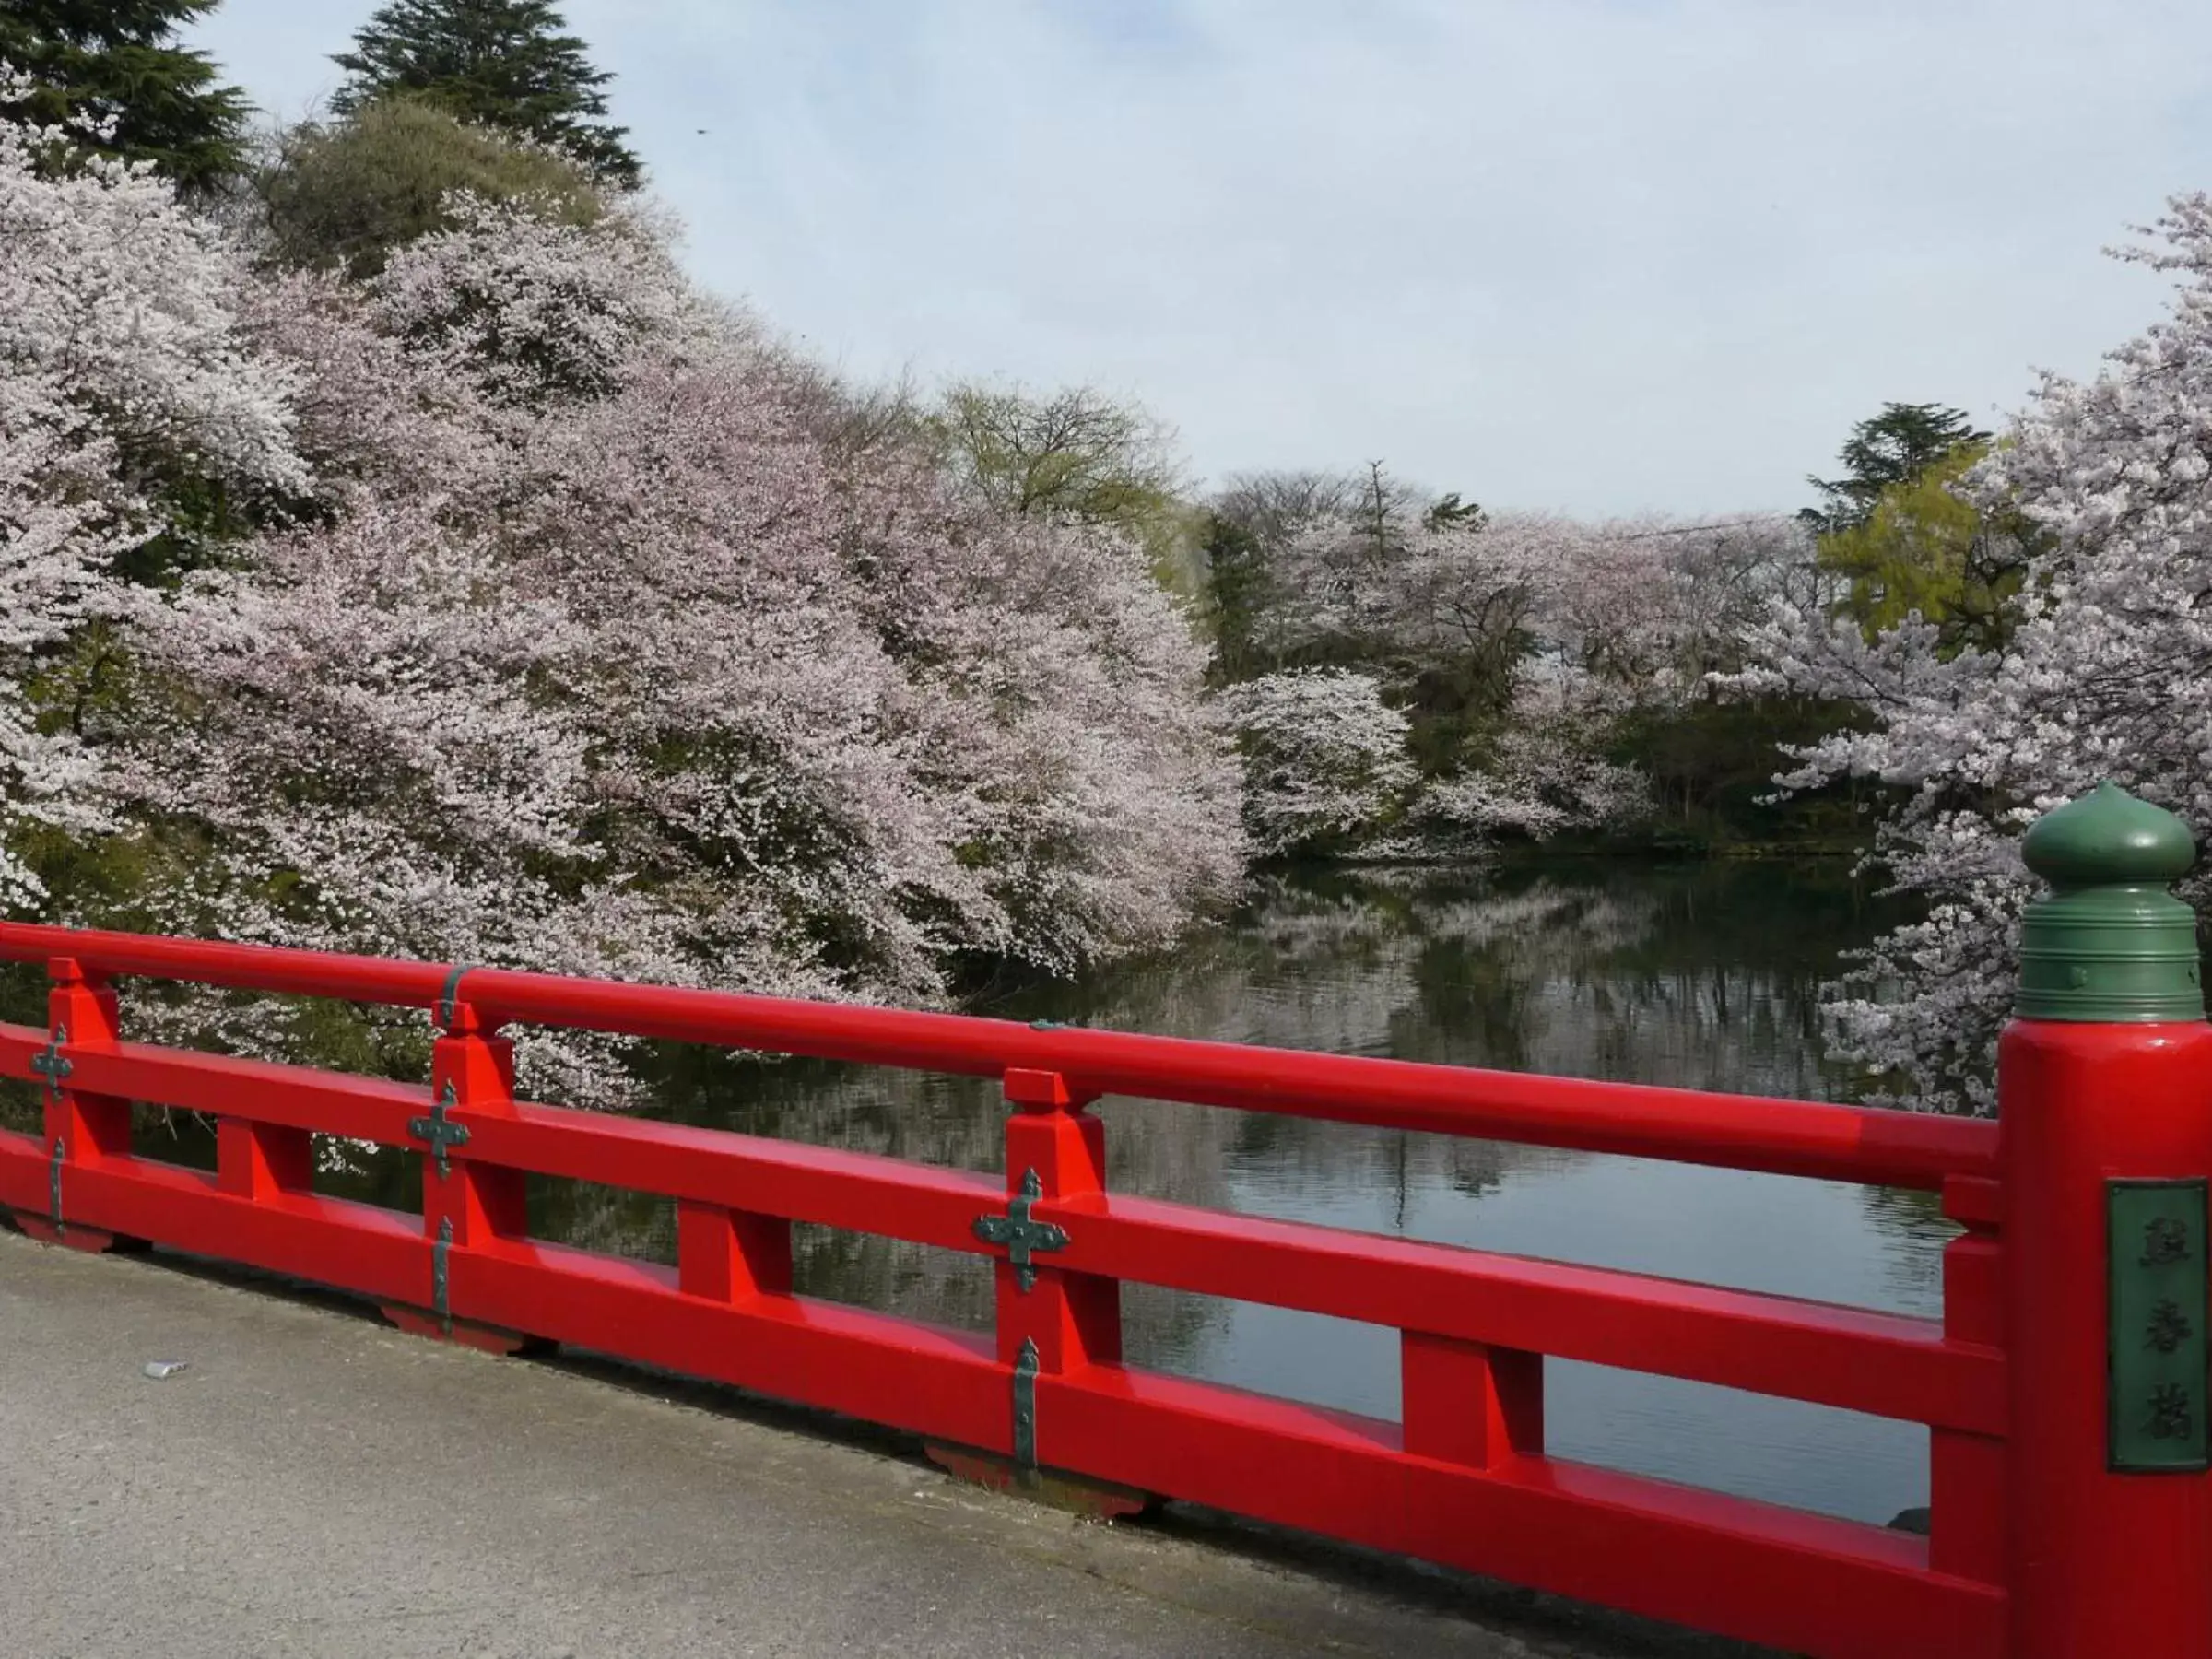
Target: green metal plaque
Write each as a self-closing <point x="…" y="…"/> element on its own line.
<point x="2157" y="1367"/>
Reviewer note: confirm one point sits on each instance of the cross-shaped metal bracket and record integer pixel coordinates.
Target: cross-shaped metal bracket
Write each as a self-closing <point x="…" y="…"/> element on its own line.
<point x="1022" y="1236"/>
<point x="439" y="1130"/>
<point x="52" y="1063"/>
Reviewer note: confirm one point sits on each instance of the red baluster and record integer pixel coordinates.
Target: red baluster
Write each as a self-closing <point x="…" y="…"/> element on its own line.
<point x="466" y="1205"/>
<point x="83" y="1130"/>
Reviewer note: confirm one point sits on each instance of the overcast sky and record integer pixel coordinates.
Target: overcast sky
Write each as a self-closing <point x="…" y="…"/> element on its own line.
<point x="1593" y="256"/>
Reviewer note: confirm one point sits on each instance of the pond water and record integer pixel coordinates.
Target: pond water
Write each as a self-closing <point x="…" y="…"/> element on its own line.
<point x="1701" y="975"/>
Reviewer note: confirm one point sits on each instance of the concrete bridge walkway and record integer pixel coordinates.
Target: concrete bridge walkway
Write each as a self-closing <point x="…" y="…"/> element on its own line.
<point x="317" y="1484"/>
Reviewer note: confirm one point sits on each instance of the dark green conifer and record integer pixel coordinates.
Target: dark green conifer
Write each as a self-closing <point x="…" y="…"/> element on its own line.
<point x="504" y="63"/>
<point x="102" y="62"/>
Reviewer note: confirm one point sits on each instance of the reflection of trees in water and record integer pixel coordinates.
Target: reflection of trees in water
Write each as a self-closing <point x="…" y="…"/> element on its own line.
<point x="1906" y="1222"/>
<point x="1701" y="976"/>
<point x="1585" y="971"/>
<point x="605" y="1218"/>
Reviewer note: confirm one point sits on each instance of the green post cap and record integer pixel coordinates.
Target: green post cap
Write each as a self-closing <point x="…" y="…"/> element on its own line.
<point x="2110" y="943"/>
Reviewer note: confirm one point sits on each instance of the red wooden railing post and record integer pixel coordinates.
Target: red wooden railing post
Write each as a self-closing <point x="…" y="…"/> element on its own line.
<point x="257" y="1161"/>
<point x="1052" y="1322"/>
<point x="2105" y="1103"/>
<point x="81" y="1129"/>
<point x="1966" y="1471"/>
<point x="1468" y="1402"/>
<point x="466" y="1205"/>
<point x="726" y="1256"/>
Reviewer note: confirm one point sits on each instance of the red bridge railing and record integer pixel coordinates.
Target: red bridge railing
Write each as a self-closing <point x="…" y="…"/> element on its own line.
<point x="1462" y="1478"/>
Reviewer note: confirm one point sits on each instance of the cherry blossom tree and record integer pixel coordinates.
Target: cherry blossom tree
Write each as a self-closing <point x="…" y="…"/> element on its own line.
<point x="1545" y="770"/>
<point x="596" y="656"/>
<point x="2104" y="671"/>
<point x="536" y="307"/>
<point x="1326" y="760"/>
<point x="126" y="385"/>
<point x="1520" y="639"/>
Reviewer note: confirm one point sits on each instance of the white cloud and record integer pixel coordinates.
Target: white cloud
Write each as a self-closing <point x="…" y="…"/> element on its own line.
<point x="1551" y="252"/>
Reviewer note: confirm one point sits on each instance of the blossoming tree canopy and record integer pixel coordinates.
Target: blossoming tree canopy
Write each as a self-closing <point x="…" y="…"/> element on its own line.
<point x="1434" y="681"/>
<point x="2103" y="671"/>
<point x="127" y="389"/>
<point x="564" y="639"/>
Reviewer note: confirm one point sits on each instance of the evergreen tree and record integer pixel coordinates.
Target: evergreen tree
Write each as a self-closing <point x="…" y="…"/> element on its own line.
<point x="1236" y="587"/>
<point x="1927" y="546"/>
<point x="117" y="61"/>
<point x="505" y="62"/>
<point x="1894" y="447"/>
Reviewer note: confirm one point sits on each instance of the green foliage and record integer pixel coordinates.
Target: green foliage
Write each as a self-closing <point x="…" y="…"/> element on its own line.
<point x="504" y="63"/>
<point x="1922" y="548"/>
<point x="1449" y="510"/>
<point x="1076" y="454"/>
<point x="1234" y="591"/>
<point x="1711" y="767"/>
<point x="346" y="193"/>
<point x="117" y="61"/>
<point x="1241" y="542"/>
<point x="1891" y="448"/>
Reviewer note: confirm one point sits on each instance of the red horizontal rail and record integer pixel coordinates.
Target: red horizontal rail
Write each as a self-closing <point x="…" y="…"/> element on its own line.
<point x="1463" y="1480"/>
<point x="1785" y="1579"/>
<point x="1853" y="1358"/>
<point x="1885" y="1364"/>
<point x="236" y="966"/>
<point x="1790" y="1137"/>
<point x="856" y="1190"/>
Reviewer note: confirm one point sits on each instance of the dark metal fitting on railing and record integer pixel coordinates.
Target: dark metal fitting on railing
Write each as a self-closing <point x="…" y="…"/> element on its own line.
<point x="1025" y="1406"/>
<point x="439" y="1130"/>
<point x="441" y="1304"/>
<point x="1022" y="1235"/>
<point x="449" y="999"/>
<point x="52" y="1063"/>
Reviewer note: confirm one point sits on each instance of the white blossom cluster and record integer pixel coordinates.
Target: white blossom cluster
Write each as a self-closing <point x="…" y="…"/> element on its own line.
<point x="2106" y="674"/>
<point x="124" y="374"/>
<point x="1581" y="620"/>
<point x="1324" y="756"/>
<point x="573" y="642"/>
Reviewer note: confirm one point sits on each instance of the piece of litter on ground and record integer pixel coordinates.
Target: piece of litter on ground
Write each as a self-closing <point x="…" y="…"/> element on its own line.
<point x="160" y="1368"/>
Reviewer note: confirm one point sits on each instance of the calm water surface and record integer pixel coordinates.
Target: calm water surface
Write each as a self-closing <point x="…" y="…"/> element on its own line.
<point x="1700" y="975"/>
<point x="1704" y="976"/>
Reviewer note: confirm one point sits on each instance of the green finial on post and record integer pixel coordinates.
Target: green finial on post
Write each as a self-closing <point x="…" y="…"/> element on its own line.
<point x="2110" y="943"/>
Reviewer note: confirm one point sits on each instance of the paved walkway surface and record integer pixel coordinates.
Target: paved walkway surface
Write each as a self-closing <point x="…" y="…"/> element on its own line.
<point x="316" y="1484"/>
